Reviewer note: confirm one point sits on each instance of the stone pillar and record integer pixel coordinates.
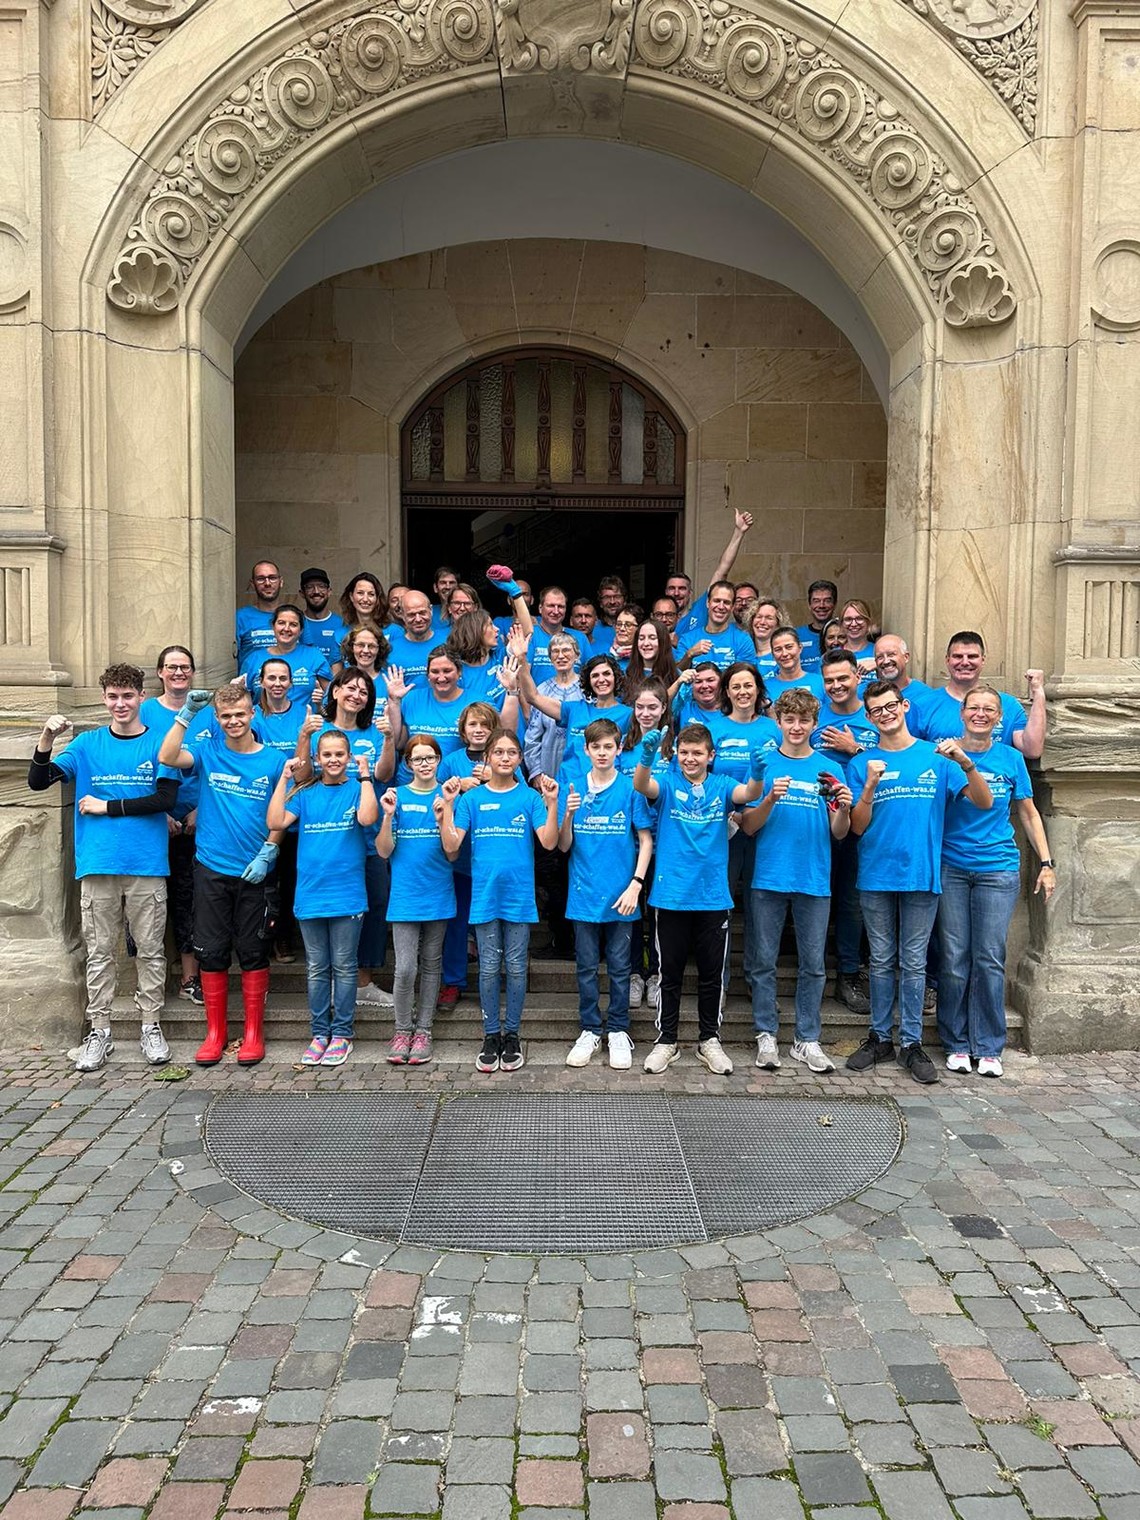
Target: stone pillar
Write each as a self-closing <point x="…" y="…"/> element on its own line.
<point x="1079" y="981"/>
<point x="29" y="550"/>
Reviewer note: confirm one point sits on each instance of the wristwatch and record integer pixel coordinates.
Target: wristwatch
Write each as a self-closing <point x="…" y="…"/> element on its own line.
<point x="1048" y="863"/>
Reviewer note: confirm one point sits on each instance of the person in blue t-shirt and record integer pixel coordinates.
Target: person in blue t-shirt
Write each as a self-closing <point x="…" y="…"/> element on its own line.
<point x="822" y="600"/>
<point x="278" y="722"/>
<point x="902" y="786"/>
<point x="503" y="817"/>
<point x="607" y="829"/>
<point x="600" y="678"/>
<point x="940" y="715"/>
<point x="324" y="630"/>
<point x="551" y="615"/>
<point x="690" y="884"/>
<point x="651" y="709"/>
<point x="789" y="673"/>
<point x="422" y="902"/>
<point x="804" y="807"/>
<point x="333" y="815"/>
<point x="310" y="669"/>
<point x="477" y="722"/>
<point x="679" y="586"/>
<point x="761" y="618"/>
<point x="981" y="881"/>
<point x="719" y="639"/>
<point x="253" y="625"/>
<point x="123" y="792"/>
<point x="234" y="889"/>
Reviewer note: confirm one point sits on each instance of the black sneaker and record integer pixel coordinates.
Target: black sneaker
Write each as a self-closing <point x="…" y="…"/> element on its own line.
<point x="512" y="1056"/>
<point x="870" y="1053"/>
<point x="853" y="990"/>
<point x="488" y="1057"/>
<point x="914" y="1059"/>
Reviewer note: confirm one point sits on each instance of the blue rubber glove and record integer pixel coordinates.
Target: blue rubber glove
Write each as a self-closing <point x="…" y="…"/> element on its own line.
<point x="757" y="765"/>
<point x="195" y="701"/>
<point x="511" y="587"/>
<point x="261" y="864"/>
<point x="650" y="744"/>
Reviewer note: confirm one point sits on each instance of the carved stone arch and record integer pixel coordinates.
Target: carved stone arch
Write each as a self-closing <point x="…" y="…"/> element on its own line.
<point x="380" y="58"/>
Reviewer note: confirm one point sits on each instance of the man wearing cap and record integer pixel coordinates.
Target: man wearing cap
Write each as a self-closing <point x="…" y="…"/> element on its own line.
<point x="323" y="629"/>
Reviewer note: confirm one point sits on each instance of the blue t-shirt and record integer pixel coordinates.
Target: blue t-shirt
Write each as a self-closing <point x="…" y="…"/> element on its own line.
<point x="411" y="655"/>
<point x="538" y="653"/>
<point x="696" y="616"/>
<point x="793" y="849"/>
<point x="236" y="788"/>
<point x="326" y="635"/>
<point x="604" y="852"/>
<point x="279" y="730"/>
<point x="809" y="681"/>
<point x="692" y="843"/>
<point x="423" y="881"/>
<point x="729" y="646"/>
<point x="982" y="839"/>
<point x="330" y="851"/>
<point x="939" y="716"/>
<point x="501" y="827"/>
<point x="361" y="741"/>
<point x="424" y="713"/>
<point x="481" y="683"/>
<point x="576" y="717"/>
<point x="901" y="850"/>
<point x="253" y="630"/>
<point x="161" y="720"/>
<point x="602" y="638"/>
<point x="810" y="653"/>
<point x="857" y="724"/>
<point x="111" y="768"/>
<point x="307" y="664"/>
<point x="736" y="743"/>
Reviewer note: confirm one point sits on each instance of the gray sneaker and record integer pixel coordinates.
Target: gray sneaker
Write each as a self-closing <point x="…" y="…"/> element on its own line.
<point x="767" y="1052"/>
<point x="811" y="1053"/>
<point x="711" y="1053"/>
<point x="661" y="1057"/>
<point x="152" y="1043"/>
<point x="93" y="1053"/>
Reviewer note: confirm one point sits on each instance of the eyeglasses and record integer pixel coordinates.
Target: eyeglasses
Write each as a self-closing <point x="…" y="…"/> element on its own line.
<point x="983" y="712"/>
<point x="422" y="759"/>
<point x="178" y="670"/>
<point x="887" y="710"/>
<point x="852" y="621"/>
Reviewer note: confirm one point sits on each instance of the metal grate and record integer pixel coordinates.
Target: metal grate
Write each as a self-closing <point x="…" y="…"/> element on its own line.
<point x="551" y="1172"/>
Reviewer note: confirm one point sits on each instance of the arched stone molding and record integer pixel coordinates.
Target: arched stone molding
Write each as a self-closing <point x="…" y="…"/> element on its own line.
<point x="791" y="90"/>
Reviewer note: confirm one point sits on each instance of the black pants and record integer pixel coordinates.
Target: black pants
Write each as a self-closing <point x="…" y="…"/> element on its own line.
<point x="552" y="887"/>
<point x="180" y="892"/>
<point x="704" y="932"/>
<point x="232" y="918"/>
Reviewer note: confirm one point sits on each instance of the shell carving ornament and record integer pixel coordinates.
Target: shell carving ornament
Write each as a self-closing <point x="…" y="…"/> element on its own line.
<point x="759" y="67"/>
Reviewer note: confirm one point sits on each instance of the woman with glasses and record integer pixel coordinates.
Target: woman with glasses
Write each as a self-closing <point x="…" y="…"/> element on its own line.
<point x="366" y="649"/>
<point x="761" y="618"/>
<point x="981" y="882"/>
<point x="857" y="635"/>
<point x="626" y="624"/>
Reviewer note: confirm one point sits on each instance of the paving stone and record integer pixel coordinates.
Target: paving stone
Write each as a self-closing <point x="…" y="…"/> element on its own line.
<point x="422" y="1411"/>
<point x="344" y="1503"/>
<point x="403" y="1488"/>
<point x="905" y="1495"/>
<point x="209" y="1457"/>
<point x="548" y="1338"/>
<point x="737" y="1387"/>
<point x="546" y="1482"/>
<point x="888" y="1446"/>
<point x="924" y="1384"/>
<point x="1055" y="1495"/>
<point x="688" y="1475"/>
<point x="1007" y="1507"/>
<point x="295" y="1406"/>
<point x="188" y="1501"/>
<point x="617" y="1446"/>
<point x="832" y="1478"/>
<point x="348" y="1452"/>
<point x="41" y="1505"/>
<point x="767" y="1499"/>
<point x="682" y="1438"/>
<point x="968" y="1472"/>
<point x="621" y="1501"/>
<point x="126" y="1482"/>
<point x="145" y="1437"/>
<point x="490" y="1370"/>
<point x="493" y="1415"/>
<point x="373" y="1360"/>
<point x="481" y="1459"/>
<point x="676" y="1404"/>
<point x="751" y="1442"/>
<point x="876" y="1402"/>
<point x="1107" y="1470"/>
<point x="481" y="1501"/>
<point x="1020" y="1448"/>
<point x="551" y="1374"/>
<point x="550" y="1412"/>
<point x="549" y="1446"/>
<point x="613" y="1390"/>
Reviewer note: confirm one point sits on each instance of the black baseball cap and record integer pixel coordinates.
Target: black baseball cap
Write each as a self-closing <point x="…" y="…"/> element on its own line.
<point x="314" y="575"/>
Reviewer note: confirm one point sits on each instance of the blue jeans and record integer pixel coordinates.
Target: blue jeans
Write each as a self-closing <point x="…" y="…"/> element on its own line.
<point x="330" y="966"/>
<point x="502" y="947"/>
<point x="973" y="921"/>
<point x="590" y="942"/>
<point x="455" y="936"/>
<point x="741" y="863"/>
<point x="848" y="910"/>
<point x="767" y="912"/>
<point x="373" y="948"/>
<point x="898" y="926"/>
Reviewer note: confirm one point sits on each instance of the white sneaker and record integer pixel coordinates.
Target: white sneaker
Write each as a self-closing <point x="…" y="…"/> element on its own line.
<point x="583" y="1048"/>
<point x="713" y="1055"/>
<point x="653" y="991"/>
<point x="812" y="1054"/>
<point x="990" y="1066"/>
<point x="92" y="1054"/>
<point x="767" y="1052"/>
<point x="153" y="1045"/>
<point x="661" y="1057"/>
<point x="620" y="1050"/>
<point x="958" y="1060"/>
<point x="372" y="996"/>
<point x="636" y="990"/>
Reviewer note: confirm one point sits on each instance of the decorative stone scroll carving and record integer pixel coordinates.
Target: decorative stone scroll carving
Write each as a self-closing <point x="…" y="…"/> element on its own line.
<point x="554" y="34"/>
<point x="999" y="38"/>
<point x="805" y="90"/>
<point x="381" y="49"/>
<point x="124" y="33"/>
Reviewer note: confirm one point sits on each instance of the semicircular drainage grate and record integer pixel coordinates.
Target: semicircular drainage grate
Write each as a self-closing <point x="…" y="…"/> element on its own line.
<point x="550" y="1172"/>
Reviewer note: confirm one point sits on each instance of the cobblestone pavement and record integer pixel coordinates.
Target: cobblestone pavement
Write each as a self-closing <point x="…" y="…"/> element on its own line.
<point x="962" y="1341"/>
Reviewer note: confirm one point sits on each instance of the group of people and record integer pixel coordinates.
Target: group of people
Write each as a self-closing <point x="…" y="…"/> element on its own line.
<point x="429" y="768"/>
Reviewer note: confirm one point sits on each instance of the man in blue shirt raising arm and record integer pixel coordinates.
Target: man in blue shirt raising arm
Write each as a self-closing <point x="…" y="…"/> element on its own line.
<point x="122" y="794"/>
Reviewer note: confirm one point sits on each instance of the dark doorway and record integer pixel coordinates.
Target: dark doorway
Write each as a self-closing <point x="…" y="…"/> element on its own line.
<point x="573" y="548"/>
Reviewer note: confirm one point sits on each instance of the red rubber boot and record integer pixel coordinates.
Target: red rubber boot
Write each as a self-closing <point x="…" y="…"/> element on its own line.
<point x="254" y="988"/>
<point x="215" y="994"/>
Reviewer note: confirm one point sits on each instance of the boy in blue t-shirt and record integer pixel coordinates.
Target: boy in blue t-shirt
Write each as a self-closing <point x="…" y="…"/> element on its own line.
<point x="122" y="795"/>
<point x="690" y="884"/>
<point x="902" y="786"/>
<point x="608" y="833"/>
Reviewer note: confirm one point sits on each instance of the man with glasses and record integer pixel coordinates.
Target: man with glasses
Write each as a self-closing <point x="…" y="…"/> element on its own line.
<point x="253" y="625"/>
<point x="901" y="787"/>
<point x="822" y="600"/>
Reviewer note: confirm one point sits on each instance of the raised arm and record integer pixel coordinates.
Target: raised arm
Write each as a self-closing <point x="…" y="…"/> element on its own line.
<point x="1030" y="740"/>
<point x="43" y="772"/>
<point x="276" y="816"/>
<point x="172" y="750"/>
<point x="503" y="580"/>
<point x="547" y="833"/>
<point x="743" y="521"/>
<point x="367" y="809"/>
<point x="643" y="781"/>
<point x="450" y="837"/>
<point x="977" y="787"/>
<point x="551" y="706"/>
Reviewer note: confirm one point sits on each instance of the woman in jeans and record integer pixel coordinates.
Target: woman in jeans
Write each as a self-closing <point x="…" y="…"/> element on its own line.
<point x="981" y="880"/>
<point x="422" y="897"/>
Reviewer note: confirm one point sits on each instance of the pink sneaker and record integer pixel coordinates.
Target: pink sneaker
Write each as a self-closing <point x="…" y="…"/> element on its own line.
<point x="338" y="1052"/>
<point x="420" y="1052"/>
<point x="399" y="1048"/>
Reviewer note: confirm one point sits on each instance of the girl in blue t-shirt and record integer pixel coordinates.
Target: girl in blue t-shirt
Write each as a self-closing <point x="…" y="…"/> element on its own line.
<point x="477" y="722"/>
<point x="422" y="899"/>
<point x="501" y="817"/>
<point x="332" y="815"/>
<point x="277" y="721"/>
<point x="651" y="712"/>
